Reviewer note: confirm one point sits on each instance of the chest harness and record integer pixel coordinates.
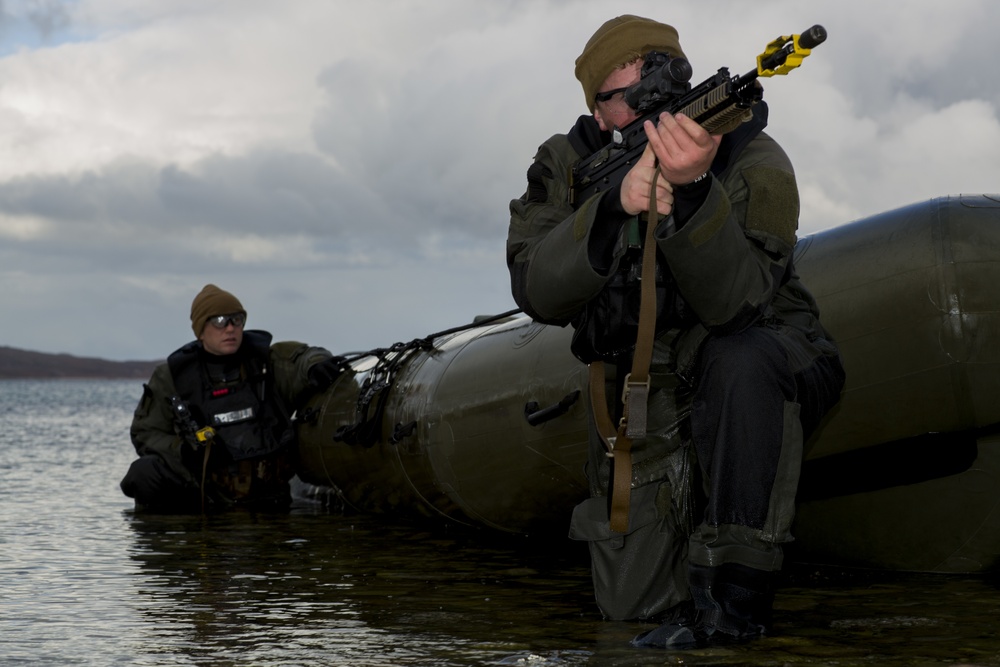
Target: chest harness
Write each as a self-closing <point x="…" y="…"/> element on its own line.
<point x="234" y="398"/>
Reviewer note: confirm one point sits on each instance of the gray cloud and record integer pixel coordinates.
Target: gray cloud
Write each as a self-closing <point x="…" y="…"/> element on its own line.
<point x="48" y="16"/>
<point x="349" y="176"/>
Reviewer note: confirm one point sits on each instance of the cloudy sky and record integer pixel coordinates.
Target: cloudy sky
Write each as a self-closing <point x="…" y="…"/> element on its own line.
<point x="345" y="167"/>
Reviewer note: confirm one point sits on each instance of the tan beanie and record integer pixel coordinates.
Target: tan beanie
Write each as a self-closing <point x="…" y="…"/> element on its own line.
<point x="614" y="41"/>
<point x="212" y="301"/>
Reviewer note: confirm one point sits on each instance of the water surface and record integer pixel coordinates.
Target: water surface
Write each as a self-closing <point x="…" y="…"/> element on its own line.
<point x="85" y="581"/>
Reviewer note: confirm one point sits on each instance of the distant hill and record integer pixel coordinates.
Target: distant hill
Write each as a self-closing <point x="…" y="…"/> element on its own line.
<point x="16" y="363"/>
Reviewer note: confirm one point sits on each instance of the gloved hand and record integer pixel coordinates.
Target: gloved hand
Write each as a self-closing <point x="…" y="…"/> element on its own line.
<point x="322" y="374"/>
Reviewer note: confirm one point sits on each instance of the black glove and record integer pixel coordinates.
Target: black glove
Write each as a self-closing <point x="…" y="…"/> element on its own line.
<point x="322" y="374"/>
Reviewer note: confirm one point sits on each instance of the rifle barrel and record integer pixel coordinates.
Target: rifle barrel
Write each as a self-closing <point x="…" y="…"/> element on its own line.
<point x="812" y="37"/>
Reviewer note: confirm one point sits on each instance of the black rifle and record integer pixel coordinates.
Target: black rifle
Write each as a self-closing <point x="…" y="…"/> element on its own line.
<point x="665" y="86"/>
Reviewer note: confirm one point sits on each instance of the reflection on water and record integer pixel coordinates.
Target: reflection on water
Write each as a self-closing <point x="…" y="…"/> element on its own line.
<point x="273" y="588"/>
<point x="85" y="581"/>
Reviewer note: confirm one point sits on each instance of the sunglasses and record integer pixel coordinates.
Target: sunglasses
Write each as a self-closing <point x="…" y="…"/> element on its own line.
<point x="222" y="321"/>
<point x="608" y="94"/>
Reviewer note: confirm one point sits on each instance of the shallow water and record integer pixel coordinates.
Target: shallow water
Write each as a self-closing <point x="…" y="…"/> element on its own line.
<point x="84" y="581"/>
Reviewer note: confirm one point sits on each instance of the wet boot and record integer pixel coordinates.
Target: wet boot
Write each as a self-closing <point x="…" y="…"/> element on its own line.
<point x="732" y="604"/>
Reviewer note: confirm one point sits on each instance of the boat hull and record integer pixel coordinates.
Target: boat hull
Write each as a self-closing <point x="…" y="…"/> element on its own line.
<point x="903" y="474"/>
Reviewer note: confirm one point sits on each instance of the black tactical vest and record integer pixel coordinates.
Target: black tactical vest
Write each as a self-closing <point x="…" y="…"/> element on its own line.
<point x="235" y="396"/>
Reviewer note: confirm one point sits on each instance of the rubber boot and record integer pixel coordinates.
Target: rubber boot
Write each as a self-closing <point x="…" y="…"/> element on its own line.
<point x="732" y="604"/>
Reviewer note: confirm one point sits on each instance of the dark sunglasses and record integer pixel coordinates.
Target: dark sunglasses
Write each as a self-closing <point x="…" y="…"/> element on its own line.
<point x="608" y="94"/>
<point x="222" y="321"/>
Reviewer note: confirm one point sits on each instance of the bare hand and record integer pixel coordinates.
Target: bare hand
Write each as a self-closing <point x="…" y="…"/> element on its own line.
<point x="635" y="187"/>
<point x="683" y="147"/>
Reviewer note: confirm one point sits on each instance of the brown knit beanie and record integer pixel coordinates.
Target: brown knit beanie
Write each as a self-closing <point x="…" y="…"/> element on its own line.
<point x="212" y="301"/>
<point x="614" y="41"/>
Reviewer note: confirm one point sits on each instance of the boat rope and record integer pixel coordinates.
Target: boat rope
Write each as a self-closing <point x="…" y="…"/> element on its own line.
<point x="375" y="387"/>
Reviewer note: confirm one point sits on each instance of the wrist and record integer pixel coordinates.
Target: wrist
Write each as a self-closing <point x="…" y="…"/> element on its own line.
<point x="698" y="186"/>
<point x="689" y="197"/>
<point x="611" y="207"/>
<point x="696" y="181"/>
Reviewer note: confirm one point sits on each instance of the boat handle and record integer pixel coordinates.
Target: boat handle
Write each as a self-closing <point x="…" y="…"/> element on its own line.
<point x="536" y="416"/>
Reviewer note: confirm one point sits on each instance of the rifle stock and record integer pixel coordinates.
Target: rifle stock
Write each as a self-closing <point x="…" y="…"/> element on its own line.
<point x="713" y="104"/>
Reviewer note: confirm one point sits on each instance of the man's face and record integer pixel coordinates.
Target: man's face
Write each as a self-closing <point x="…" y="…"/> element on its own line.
<point x="615" y="112"/>
<point x="223" y="340"/>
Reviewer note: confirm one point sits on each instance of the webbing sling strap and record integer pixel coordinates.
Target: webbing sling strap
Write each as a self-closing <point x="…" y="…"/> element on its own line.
<point x="204" y="471"/>
<point x="635" y="395"/>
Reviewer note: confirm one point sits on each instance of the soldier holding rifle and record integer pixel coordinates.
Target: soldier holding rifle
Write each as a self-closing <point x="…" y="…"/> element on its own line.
<point x="693" y="495"/>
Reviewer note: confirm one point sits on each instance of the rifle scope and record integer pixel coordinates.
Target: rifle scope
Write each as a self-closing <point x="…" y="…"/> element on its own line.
<point x="663" y="77"/>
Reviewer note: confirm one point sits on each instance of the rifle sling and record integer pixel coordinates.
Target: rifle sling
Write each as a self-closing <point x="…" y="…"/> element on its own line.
<point x="636" y="388"/>
<point x="204" y="471"/>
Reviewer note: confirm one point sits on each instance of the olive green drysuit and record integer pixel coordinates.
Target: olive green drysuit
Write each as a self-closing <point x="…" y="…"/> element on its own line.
<point x="168" y="474"/>
<point x="729" y="499"/>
